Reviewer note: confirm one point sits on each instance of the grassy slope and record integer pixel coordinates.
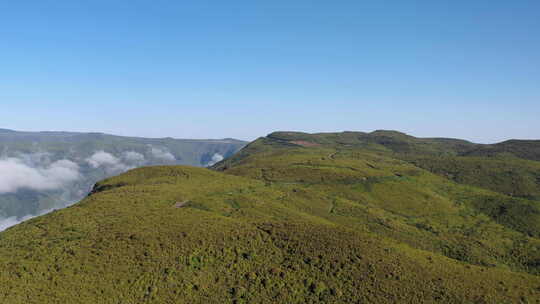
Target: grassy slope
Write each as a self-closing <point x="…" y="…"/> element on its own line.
<point x="409" y="204"/>
<point x="510" y="168"/>
<point x="507" y="175"/>
<point x="283" y="223"/>
<point x="526" y="149"/>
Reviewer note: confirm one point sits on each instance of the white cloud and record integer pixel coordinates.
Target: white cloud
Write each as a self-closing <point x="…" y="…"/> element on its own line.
<point x="162" y="154"/>
<point x="102" y="158"/>
<point x="110" y="163"/>
<point x="133" y="157"/>
<point x="16" y="174"/>
<point x="215" y="159"/>
<point x="36" y="159"/>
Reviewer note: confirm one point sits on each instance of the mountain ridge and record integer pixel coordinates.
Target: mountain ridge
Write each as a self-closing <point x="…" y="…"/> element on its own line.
<point x="341" y="221"/>
<point x="69" y="133"/>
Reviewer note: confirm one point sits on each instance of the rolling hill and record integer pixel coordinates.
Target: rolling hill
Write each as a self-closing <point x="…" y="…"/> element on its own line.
<point x="293" y="218"/>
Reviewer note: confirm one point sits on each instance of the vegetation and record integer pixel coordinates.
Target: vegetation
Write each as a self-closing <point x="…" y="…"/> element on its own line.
<point x="292" y="218"/>
<point x="508" y="175"/>
<point x="526" y="149"/>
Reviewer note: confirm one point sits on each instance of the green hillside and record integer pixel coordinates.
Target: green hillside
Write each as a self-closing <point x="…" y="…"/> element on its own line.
<point x="527" y="149"/>
<point x="292" y="218"/>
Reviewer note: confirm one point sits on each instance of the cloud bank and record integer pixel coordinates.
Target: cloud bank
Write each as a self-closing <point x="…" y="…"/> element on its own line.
<point x="34" y="172"/>
<point x="108" y="162"/>
<point x="162" y="154"/>
<point x="133" y="157"/>
<point x="102" y="158"/>
<point x="38" y="172"/>
<point x="15" y="174"/>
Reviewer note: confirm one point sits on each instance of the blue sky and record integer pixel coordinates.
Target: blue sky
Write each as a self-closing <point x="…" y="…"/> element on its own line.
<point x="214" y="69"/>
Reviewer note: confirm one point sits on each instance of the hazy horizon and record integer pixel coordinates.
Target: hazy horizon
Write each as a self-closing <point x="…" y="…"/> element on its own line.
<point x="262" y="135"/>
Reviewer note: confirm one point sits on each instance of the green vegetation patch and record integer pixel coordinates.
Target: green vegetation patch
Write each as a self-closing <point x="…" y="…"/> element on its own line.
<point x="349" y="220"/>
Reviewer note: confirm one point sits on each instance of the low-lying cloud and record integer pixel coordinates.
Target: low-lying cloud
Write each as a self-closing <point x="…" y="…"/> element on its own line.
<point x="108" y="162"/>
<point x="15" y="174"/>
<point x="215" y="159"/>
<point x="41" y="172"/>
<point x="162" y="154"/>
<point x="102" y="158"/>
<point x="133" y="157"/>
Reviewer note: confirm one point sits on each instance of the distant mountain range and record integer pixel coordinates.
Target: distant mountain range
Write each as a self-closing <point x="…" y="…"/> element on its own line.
<point x="352" y="217"/>
<point x="41" y="171"/>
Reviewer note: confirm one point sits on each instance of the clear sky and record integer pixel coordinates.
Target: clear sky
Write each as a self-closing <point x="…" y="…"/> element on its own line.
<point x="214" y="69"/>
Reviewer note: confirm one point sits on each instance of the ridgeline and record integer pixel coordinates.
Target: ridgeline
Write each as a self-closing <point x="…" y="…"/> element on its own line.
<point x="349" y="217"/>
